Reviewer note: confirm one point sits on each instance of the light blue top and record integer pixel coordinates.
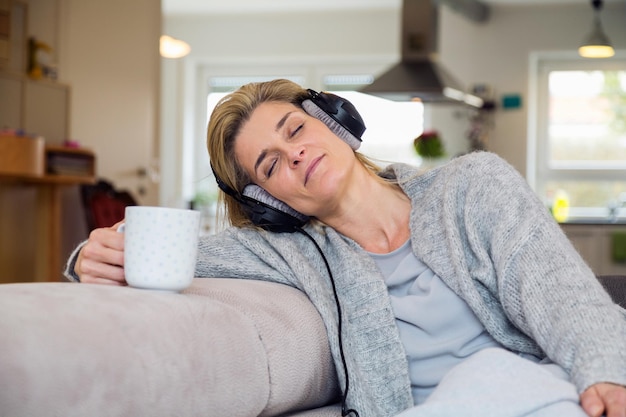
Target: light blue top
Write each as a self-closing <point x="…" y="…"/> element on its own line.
<point x="437" y="328"/>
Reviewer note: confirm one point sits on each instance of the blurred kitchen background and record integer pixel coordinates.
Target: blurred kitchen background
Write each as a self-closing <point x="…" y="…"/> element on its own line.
<point x="560" y="119"/>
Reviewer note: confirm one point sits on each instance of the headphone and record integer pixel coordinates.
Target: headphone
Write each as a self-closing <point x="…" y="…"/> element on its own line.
<point x="268" y="212"/>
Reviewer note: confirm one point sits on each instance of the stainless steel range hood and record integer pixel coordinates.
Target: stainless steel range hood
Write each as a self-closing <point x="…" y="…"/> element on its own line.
<point x="418" y="76"/>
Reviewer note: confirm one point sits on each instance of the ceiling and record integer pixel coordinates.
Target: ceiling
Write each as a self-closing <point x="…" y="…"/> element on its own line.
<point x="174" y="7"/>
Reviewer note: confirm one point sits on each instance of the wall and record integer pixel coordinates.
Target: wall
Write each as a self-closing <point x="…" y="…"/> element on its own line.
<point x="109" y="55"/>
<point x="108" y="52"/>
<point x="496" y="53"/>
<point x="262" y="38"/>
<point x="339" y="32"/>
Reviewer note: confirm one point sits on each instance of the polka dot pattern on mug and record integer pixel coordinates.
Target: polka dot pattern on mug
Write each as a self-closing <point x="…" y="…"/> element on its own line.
<point x="160" y="247"/>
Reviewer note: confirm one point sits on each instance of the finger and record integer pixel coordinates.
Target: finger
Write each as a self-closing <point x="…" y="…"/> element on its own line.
<point x="615" y="400"/>
<point x="591" y="402"/>
<point x="105" y="248"/>
<point x="118" y="224"/>
<point x="107" y="237"/>
<point x="104" y="281"/>
<point x="92" y="271"/>
<point x="97" y="252"/>
<point x="606" y="397"/>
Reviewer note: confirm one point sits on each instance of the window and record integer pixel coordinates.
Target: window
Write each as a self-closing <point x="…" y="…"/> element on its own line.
<point x="391" y="126"/>
<point x="581" y="135"/>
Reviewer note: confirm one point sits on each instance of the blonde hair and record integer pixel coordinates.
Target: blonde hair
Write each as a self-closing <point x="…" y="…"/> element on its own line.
<point x="226" y="121"/>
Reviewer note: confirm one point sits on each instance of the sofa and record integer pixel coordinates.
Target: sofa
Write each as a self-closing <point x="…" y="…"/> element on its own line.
<point x="222" y="347"/>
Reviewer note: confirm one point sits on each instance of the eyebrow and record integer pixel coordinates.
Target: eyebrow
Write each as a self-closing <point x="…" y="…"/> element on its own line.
<point x="282" y="121"/>
<point x="278" y="126"/>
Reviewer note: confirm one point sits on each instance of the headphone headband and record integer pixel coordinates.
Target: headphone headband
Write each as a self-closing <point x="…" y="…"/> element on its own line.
<point x="340" y="110"/>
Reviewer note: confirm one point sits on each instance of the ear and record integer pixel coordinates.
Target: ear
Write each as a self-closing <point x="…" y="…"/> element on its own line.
<point x="314" y="110"/>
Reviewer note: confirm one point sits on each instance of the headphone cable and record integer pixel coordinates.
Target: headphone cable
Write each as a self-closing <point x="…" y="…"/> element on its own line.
<point x="344" y="410"/>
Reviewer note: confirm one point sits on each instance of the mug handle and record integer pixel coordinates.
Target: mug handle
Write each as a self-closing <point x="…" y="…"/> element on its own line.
<point x="121" y="228"/>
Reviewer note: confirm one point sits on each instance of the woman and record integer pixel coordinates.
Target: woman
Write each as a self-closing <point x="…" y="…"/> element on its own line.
<point x="424" y="282"/>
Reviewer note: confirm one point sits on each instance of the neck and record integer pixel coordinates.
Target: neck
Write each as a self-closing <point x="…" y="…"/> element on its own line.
<point x="373" y="213"/>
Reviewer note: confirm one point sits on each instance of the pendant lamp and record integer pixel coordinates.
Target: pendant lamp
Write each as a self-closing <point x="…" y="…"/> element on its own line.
<point x="596" y="44"/>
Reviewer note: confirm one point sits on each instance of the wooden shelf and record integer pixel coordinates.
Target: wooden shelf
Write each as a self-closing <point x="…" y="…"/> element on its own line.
<point x="69" y="162"/>
<point x="26" y="168"/>
<point x="48" y="179"/>
<point x="28" y="160"/>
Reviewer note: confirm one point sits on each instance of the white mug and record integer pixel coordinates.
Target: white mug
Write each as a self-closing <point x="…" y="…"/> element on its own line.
<point x="160" y="247"/>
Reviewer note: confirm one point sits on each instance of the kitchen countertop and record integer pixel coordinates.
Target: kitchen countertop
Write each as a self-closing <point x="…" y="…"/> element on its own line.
<point x="596" y="222"/>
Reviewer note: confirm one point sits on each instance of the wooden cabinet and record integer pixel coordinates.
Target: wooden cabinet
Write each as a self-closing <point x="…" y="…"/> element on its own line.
<point x="10" y="100"/>
<point x="46" y="110"/>
<point x="22" y="156"/>
<point x="39" y="108"/>
<point x="595" y="243"/>
<point x="33" y="179"/>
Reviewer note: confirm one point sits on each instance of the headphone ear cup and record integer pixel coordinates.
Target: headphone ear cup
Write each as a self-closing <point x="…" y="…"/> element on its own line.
<point x="254" y="192"/>
<point x="344" y="134"/>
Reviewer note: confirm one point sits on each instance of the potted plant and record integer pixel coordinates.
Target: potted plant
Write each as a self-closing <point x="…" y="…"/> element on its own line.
<point x="429" y="145"/>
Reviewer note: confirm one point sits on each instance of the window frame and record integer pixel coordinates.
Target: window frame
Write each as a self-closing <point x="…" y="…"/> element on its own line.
<point x="539" y="171"/>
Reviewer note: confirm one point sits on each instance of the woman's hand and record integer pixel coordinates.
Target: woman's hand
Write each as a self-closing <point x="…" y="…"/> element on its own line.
<point x="101" y="260"/>
<point x="609" y="399"/>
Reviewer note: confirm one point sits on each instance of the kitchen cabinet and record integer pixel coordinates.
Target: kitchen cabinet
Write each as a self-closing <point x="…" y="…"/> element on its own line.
<point x="595" y="243"/>
<point x="39" y="107"/>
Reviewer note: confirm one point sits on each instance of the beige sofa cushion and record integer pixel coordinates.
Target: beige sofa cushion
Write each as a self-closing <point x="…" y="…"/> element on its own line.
<point x="221" y="348"/>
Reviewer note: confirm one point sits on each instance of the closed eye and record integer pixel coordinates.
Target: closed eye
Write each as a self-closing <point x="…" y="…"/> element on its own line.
<point x="295" y="132"/>
<point x="271" y="168"/>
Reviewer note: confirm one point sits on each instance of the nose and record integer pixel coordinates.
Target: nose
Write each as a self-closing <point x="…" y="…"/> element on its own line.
<point x="297" y="156"/>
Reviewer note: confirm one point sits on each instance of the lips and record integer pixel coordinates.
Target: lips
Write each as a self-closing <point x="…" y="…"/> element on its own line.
<point x="311" y="168"/>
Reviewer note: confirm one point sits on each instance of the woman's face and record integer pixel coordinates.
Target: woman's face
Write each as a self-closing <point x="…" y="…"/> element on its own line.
<point x="295" y="157"/>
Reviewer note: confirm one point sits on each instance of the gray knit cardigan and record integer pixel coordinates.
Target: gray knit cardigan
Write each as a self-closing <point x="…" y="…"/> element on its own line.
<point x="476" y="224"/>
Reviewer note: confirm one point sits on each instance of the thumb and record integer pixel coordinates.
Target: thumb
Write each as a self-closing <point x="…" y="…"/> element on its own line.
<point x="591" y="402"/>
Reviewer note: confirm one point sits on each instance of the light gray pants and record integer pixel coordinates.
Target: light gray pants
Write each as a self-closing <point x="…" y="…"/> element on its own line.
<point x="498" y="383"/>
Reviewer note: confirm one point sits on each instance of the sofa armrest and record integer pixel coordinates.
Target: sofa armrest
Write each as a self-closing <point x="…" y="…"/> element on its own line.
<point x="221" y="348"/>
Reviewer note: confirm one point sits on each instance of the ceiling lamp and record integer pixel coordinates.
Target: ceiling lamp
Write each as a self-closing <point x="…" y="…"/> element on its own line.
<point x="596" y="44"/>
<point x="173" y="48"/>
